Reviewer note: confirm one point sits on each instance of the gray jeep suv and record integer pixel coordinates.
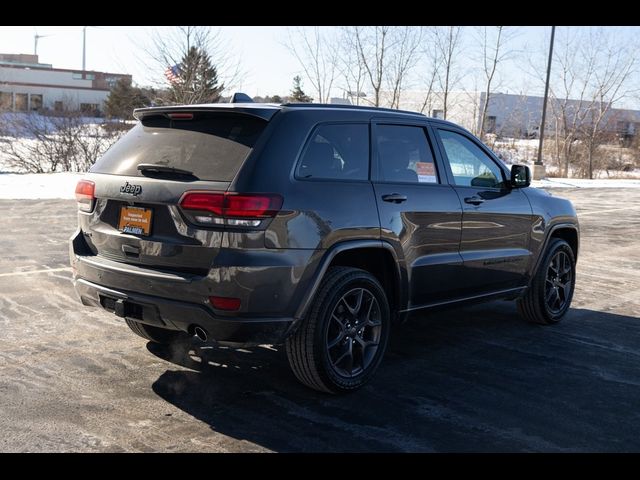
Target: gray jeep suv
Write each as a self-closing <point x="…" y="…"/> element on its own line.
<point x="316" y="226"/>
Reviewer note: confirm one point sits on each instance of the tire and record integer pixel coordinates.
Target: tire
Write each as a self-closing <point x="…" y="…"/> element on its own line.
<point x="340" y="343"/>
<point x="550" y="293"/>
<point x="154" y="334"/>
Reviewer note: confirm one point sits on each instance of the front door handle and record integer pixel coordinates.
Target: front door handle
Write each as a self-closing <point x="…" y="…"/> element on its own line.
<point x="394" y="198"/>
<point x="475" y="200"/>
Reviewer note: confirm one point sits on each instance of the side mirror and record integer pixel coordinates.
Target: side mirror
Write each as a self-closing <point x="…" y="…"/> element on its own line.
<point x="520" y="176"/>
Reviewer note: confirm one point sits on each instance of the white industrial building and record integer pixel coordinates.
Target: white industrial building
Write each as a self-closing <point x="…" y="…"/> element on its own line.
<point x="27" y="85"/>
<point x="515" y="115"/>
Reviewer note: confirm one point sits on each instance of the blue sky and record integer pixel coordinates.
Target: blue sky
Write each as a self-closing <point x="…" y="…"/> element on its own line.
<point x="268" y="65"/>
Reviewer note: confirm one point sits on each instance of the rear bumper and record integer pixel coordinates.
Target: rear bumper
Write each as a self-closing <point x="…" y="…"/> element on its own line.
<point x="179" y="315"/>
<point x="269" y="283"/>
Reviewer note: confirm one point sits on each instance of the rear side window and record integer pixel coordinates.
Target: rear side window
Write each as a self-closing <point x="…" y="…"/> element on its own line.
<point x="404" y="155"/>
<point x="336" y="152"/>
<point x="212" y="146"/>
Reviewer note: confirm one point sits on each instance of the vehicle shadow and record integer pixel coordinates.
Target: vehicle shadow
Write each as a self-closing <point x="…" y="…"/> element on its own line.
<point x="472" y="379"/>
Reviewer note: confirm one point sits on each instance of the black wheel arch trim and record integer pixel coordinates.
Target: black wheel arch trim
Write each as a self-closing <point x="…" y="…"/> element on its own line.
<point x="547" y="238"/>
<point x="401" y="290"/>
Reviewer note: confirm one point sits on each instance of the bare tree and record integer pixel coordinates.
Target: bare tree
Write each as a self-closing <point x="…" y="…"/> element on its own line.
<point x="447" y="41"/>
<point x="351" y="68"/>
<point x="493" y="42"/>
<point x="593" y="71"/>
<point x="432" y="63"/>
<point x="405" y="52"/>
<point x="65" y="143"/>
<point x="169" y="49"/>
<point x="615" y="66"/>
<point x="372" y="44"/>
<point x="386" y="56"/>
<point x="568" y="95"/>
<point x="317" y="57"/>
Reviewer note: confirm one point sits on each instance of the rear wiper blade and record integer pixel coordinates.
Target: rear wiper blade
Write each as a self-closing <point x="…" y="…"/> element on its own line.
<point x="152" y="167"/>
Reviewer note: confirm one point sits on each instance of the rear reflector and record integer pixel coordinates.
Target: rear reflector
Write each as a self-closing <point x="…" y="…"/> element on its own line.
<point x="85" y="195"/>
<point x="225" y="303"/>
<point x="232" y="206"/>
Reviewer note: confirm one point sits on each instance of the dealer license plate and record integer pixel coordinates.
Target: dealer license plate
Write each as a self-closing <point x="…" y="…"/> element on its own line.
<point x="135" y="220"/>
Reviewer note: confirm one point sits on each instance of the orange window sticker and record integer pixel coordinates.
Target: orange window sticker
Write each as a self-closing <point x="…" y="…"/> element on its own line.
<point x="426" y="172"/>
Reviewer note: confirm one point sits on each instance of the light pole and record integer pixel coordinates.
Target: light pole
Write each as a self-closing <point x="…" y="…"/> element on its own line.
<point x="84" y="48"/>
<point x="538" y="166"/>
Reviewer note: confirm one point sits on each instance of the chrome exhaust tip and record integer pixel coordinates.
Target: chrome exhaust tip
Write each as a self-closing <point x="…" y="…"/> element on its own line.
<point x="200" y="333"/>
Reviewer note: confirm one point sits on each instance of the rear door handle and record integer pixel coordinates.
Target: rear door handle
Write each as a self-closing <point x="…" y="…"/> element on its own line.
<point x="474" y="200"/>
<point x="394" y="198"/>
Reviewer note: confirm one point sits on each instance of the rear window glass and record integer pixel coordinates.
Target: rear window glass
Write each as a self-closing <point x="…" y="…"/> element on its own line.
<point x="211" y="146"/>
<point x="337" y="152"/>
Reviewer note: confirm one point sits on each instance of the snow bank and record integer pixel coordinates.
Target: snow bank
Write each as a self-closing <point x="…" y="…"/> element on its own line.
<point x="585" y="183"/>
<point x="38" y="185"/>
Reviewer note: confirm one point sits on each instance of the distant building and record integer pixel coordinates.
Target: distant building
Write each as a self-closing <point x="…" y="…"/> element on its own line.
<point x="515" y="115"/>
<point x="339" y="101"/>
<point x="27" y="85"/>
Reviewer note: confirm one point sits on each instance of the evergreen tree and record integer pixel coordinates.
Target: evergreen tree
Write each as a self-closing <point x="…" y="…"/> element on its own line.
<point x="297" y="94"/>
<point x="197" y="81"/>
<point x="123" y="98"/>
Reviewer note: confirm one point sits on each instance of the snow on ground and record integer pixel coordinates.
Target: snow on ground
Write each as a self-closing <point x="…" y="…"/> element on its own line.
<point x="38" y="185"/>
<point x="62" y="185"/>
<point x="585" y="183"/>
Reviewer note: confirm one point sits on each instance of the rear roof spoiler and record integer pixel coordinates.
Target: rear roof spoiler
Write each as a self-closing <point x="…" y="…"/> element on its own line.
<point x="259" y="110"/>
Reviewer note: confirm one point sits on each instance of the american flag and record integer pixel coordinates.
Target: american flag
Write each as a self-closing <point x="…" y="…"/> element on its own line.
<point x="173" y="73"/>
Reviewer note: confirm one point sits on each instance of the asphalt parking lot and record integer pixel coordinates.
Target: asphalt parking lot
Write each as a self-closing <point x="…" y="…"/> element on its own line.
<point x="74" y="378"/>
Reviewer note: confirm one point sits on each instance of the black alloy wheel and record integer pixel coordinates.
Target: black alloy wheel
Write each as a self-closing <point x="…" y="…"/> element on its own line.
<point x="559" y="285"/>
<point x="353" y="332"/>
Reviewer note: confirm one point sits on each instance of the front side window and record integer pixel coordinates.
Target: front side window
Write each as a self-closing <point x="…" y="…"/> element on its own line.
<point x="471" y="167"/>
<point x="404" y="155"/>
<point x="337" y="152"/>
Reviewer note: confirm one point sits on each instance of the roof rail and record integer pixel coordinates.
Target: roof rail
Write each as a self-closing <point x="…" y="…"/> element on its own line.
<point x="347" y="107"/>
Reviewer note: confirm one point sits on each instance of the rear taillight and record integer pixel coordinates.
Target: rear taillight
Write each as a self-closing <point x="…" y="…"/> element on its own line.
<point x="233" y="209"/>
<point x="85" y="195"/>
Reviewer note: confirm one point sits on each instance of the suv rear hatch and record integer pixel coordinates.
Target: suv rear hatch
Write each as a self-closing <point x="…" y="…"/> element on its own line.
<point x="133" y="213"/>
